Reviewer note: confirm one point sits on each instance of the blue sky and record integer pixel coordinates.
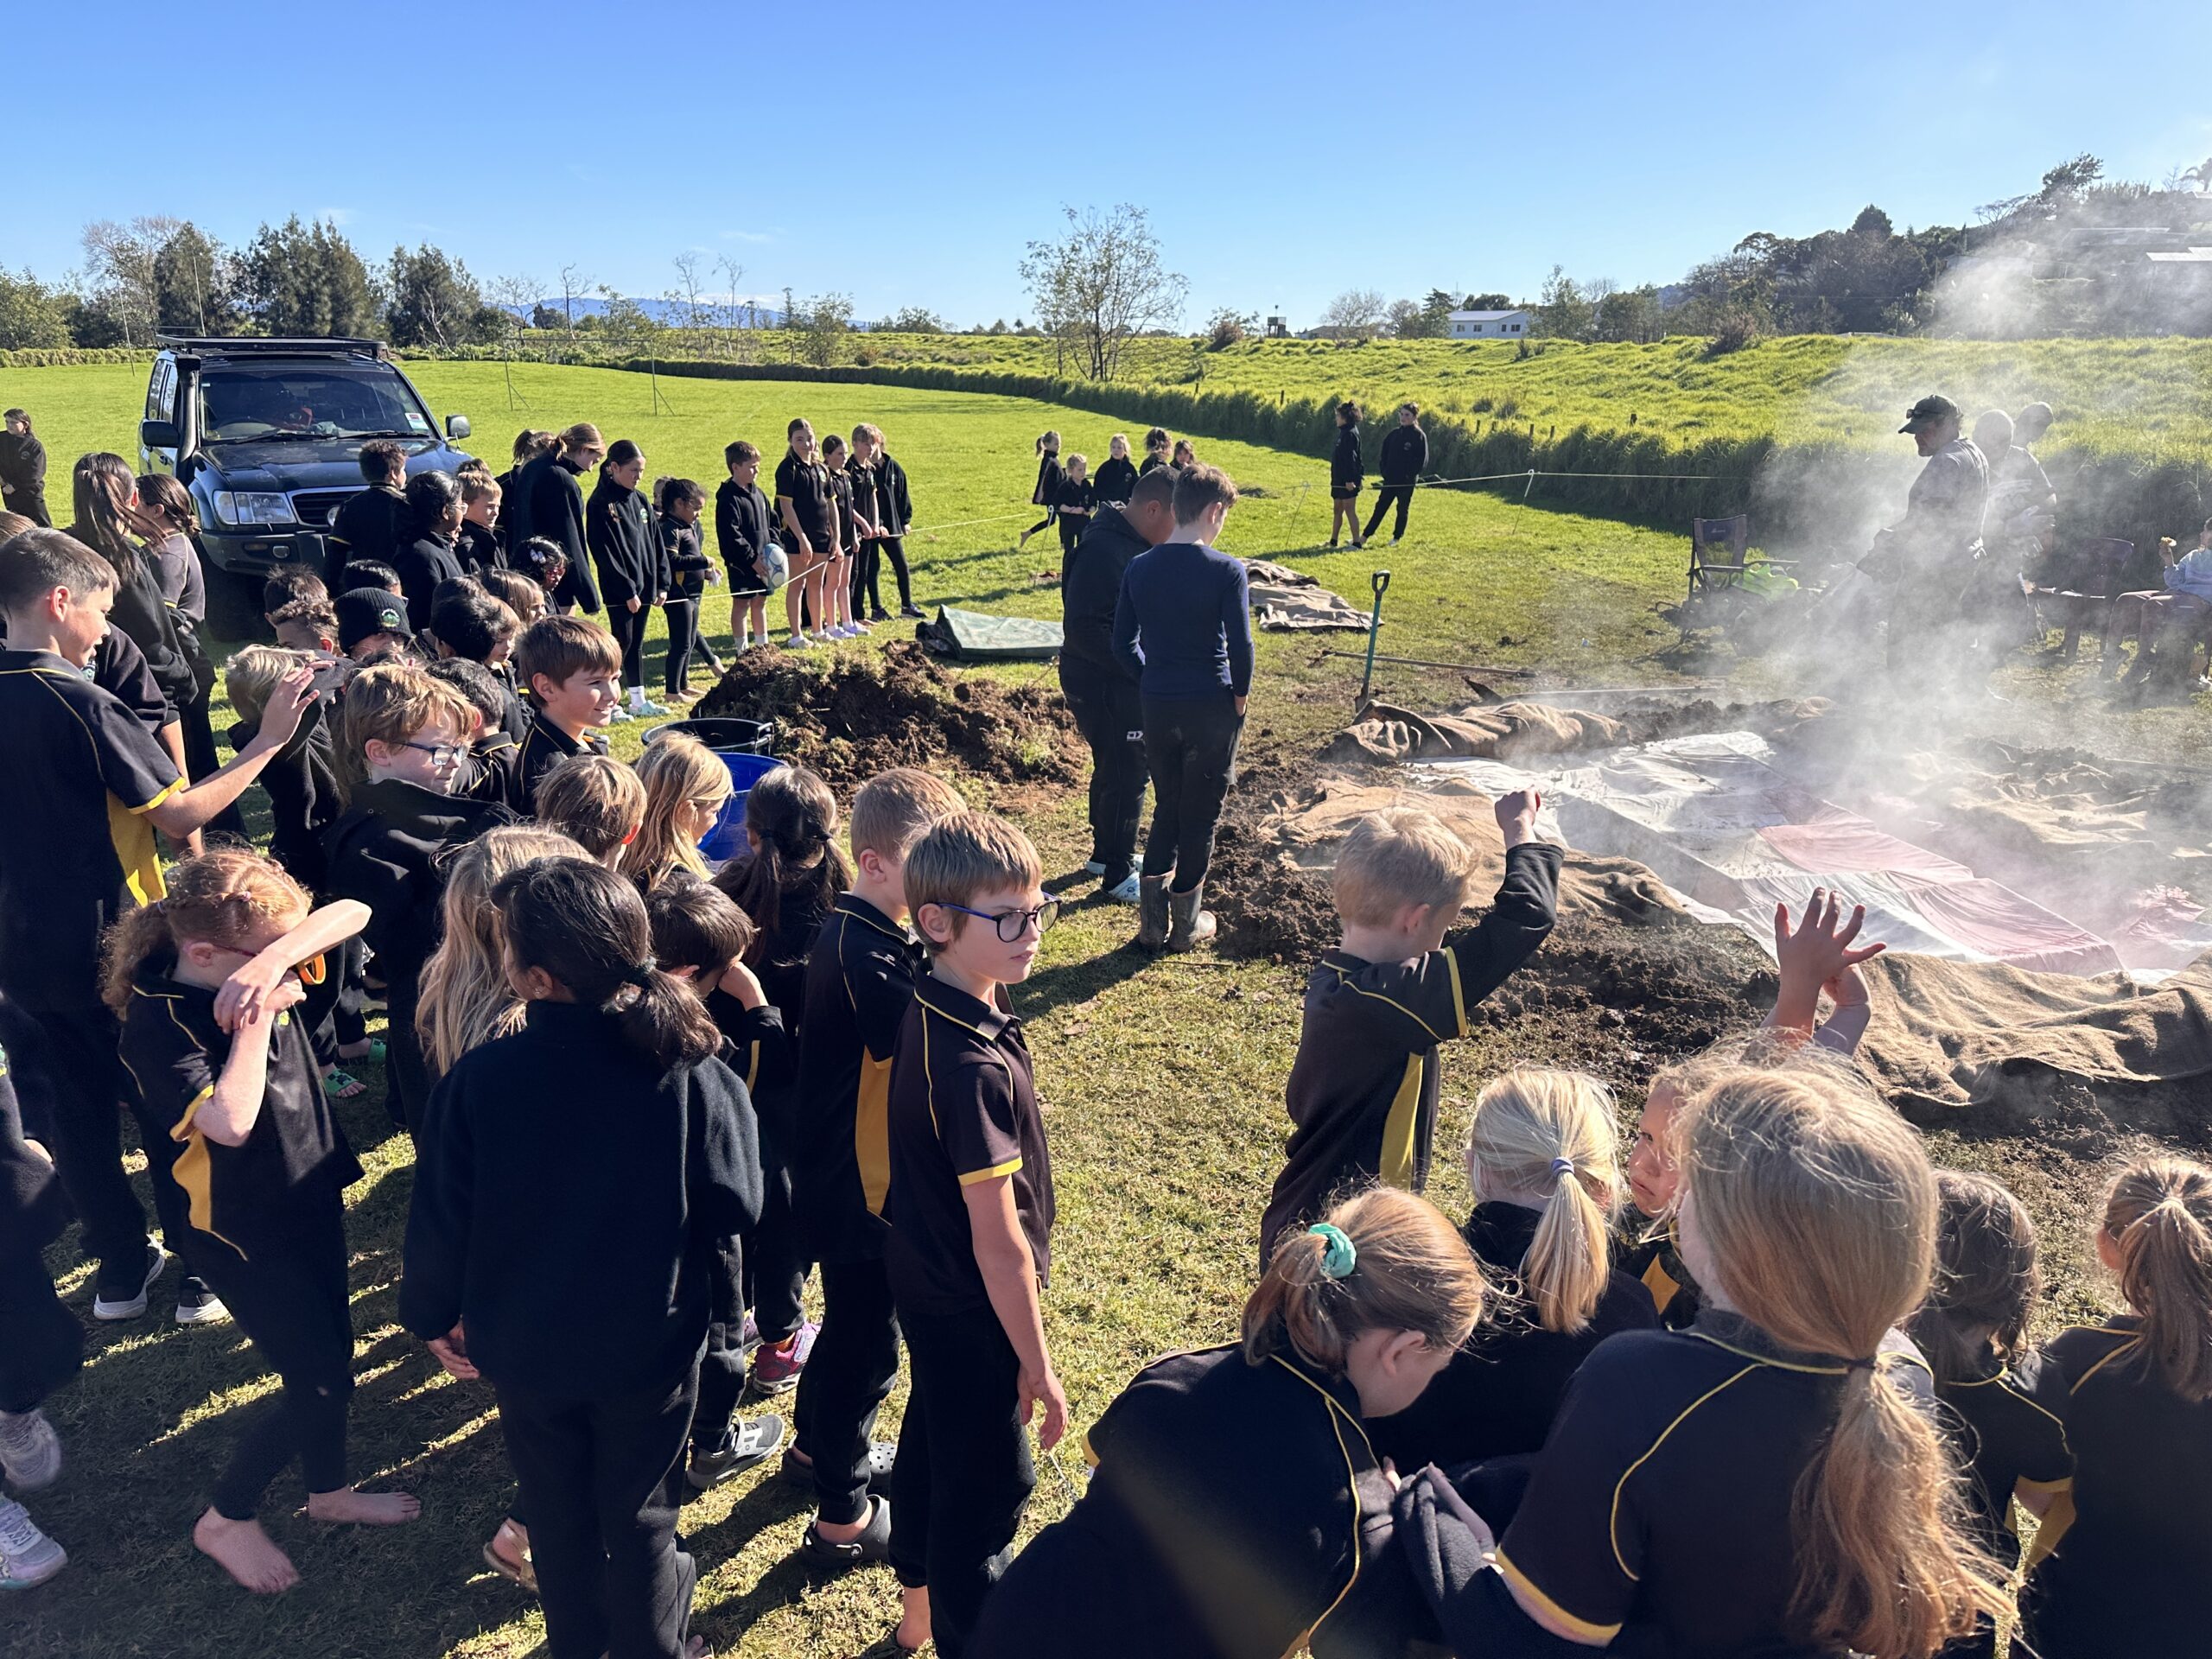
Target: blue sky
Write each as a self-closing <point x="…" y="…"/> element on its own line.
<point x="905" y="153"/>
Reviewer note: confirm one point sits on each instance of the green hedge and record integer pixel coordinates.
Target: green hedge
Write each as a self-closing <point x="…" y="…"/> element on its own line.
<point x="67" y="357"/>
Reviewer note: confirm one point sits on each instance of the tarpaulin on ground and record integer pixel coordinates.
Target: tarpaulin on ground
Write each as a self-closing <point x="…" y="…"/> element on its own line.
<point x="1727" y="829"/>
<point x="1311" y="822"/>
<point x="1502" y="731"/>
<point x="974" y="637"/>
<point x="1285" y="600"/>
<point x="1964" y="1034"/>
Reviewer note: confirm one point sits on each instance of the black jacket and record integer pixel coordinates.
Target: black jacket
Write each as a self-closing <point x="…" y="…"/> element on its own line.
<point x="1050" y="475"/>
<point x="568" y="1195"/>
<point x="624" y="550"/>
<point x="374" y="524"/>
<point x="684" y="560"/>
<point x="1090" y="587"/>
<point x="480" y="550"/>
<point x="140" y="612"/>
<point x="554" y="508"/>
<point x="304" y="799"/>
<point x="1116" y="479"/>
<point x="894" y="506"/>
<point x="744" y="524"/>
<point x="422" y="563"/>
<point x="1346" y="465"/>
<point x="1405" y="455"/>
<point x="23" y="475"/>
<point x="386" y="851"/>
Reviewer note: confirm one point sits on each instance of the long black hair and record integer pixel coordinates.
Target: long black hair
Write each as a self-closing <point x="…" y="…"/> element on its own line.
<point x="584" y="926"/>
<point x="101" y="486"/>
<point x="793" y="818"/>
<point x="430" y="497"/>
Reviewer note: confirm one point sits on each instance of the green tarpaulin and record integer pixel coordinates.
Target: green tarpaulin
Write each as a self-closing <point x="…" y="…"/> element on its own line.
<point x="972" y="636"/>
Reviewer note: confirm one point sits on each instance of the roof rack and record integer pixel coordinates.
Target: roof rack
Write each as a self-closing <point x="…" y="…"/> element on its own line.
<point x="247" y="346"/>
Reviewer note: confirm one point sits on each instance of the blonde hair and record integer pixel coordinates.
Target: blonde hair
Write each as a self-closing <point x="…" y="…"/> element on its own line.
<point x="466" y="999"/>
<point x="1404" y="856"/>
<point x="1551" y="1133"/>
<point x="252" y="674"/>
<point x="388" y="703"/>
<point x="1819" y="1211"/>
<point x="1411" y="1271"/>
<point x="893" y="808"/>
<point x="220" y="898"/>
<point x="593" y="800"/>
<point x="959" y="859"/>
<point x="2159" y="1215"/>
<point x="1078" y="460"/>
<point x="675" y="770"/>
<point x="582" y="436"/>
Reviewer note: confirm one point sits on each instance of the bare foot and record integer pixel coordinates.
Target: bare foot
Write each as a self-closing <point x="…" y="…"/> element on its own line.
<point x="913" y="1619"/>
<point x="366" y="1509"/>
<point x="242" y="1549"/>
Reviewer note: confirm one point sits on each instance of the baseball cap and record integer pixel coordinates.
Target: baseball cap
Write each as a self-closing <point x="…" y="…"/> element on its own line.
<point x="364" y="611"/>
<point x="1929" y="411"/>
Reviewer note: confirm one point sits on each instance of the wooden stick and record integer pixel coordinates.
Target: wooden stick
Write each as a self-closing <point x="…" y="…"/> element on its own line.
<point x="1416" y="661"/>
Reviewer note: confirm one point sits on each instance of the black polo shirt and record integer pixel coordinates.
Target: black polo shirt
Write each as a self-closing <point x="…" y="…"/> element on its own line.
<point x="754" y="1044"/>
<point x="491" y="766"/>
<point x="2128" y="1575"/>
<point x="544" y="747"/>
<point x="280" y="1185"/>
<point x="806" y="486"/>
<point x="1649" y="1252"/>
<point x="1363" y="1090"/>
<point x="76" y="847"/>
<point x="860" y="983"/>
<point x="840" y="496"/>
<point x="1498" y="1396"/>
<point x="2006" y="1439"/>
<point x="963" y="1110"/>
<point x="1664" y="1499"/>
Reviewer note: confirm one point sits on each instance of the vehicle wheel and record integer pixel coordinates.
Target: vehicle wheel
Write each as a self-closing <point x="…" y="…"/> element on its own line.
<point x="234" y="615"/>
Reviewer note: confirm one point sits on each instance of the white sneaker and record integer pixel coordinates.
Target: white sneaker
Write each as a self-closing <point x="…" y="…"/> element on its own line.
<point x="29" y="1450"/>
<point x="1097" y="866"/>
<point x="798" y="642"/>
<point x="27" y="1556"/>
<point x="645" y="709"/>
<point x="127" y="1305"/>
<point x="1123" y="892"/>
<point x="860" y="627"/>
<point x="197" y="1305"/>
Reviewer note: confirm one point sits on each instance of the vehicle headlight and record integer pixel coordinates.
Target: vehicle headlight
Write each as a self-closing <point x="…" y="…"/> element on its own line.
<point x="253" y="507"/>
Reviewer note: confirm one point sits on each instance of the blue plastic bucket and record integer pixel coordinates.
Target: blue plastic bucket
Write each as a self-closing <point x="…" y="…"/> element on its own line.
<point x="742" y="746"/>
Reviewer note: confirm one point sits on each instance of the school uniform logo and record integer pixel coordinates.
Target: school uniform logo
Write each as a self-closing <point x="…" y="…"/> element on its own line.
<point x="388" y="618"/>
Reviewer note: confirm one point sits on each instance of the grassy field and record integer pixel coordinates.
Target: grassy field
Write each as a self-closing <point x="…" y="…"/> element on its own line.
<point x="1161" y="1080"/>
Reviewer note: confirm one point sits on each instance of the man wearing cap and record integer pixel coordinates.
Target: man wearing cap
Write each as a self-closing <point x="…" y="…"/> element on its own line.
<point x="1931" y="551"/>
<point x="371" y="621"/>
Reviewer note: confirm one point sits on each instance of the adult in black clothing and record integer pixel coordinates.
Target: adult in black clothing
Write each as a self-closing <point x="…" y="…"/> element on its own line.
<point x="1347" y="470"/>
<point x="632" y="568"/>
<point x="1101" y="695"/>
<point x="550" y="504"/>
<point x="23" y="470"/>
<point x="428" y="556"/>
<point x="894" y="516"/>
<point x="1118" y="477"/>
<point x="1405" y="457"/>
<point x="376" y="523"/>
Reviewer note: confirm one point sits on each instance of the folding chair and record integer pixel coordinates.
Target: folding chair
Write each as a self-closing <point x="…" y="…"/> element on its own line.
<point x="2090" y="578"/>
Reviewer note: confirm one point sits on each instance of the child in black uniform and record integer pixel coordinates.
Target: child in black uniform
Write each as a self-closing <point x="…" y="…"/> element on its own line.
<point x="1077" y="499"/>
<point x="969" y="1251"/>
<point x="1364" y="1088"/>
<point x="679" y="501"/>
<point x="860" y="983"/>
<point x="1771" y="1480"/>
<point x="744" y="530"/>
<point x="1237" y="1509"/>
<point x="1347" y="471"/>
<point x="571" y="672"/>
<point x="2120" y="1558"/>
<point x="567" y="1206"/>
<point x="203" y="983"/>
<point x="1542" y="1160"/>
<point x="1047" y="494"/>
<point x="1972" y="1332"/>
<point x="1119" y="475"/>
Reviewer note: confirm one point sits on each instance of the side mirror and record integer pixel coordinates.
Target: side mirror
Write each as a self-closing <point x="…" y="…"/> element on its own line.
<point x="457" y="426"/>
<point x="157" y="435"/>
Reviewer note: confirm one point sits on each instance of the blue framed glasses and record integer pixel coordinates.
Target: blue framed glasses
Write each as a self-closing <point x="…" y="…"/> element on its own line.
<point x="1012" y="924"/>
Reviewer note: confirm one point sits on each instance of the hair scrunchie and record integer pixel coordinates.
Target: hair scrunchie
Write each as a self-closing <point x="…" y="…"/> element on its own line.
<point x="642" y="974"/>
<point x="1339" y="1255"/>
<point x="1562" y="1165"/>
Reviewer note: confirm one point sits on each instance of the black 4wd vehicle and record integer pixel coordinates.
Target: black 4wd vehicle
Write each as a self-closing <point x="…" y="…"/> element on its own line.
<point x="267" y="435"/>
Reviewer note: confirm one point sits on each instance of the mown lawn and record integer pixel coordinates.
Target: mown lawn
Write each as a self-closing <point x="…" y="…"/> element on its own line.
<point x="1161" y="1080"/>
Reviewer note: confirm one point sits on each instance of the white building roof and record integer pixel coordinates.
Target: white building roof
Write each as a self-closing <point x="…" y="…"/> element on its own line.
<point x="1486" y="316"/>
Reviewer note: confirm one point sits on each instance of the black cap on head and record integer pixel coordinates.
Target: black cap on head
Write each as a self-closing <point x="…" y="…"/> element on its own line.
<point x="1929" y="411"/>
<point x="364" y="611"/>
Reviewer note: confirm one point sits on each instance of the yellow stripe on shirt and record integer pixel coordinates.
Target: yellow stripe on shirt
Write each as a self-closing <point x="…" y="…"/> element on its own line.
<point x="1400" y="1129"/>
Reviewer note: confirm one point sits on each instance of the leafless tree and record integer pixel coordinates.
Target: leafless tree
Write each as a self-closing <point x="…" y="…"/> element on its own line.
<point x="1102" y="284"/>
<point x="1357" y="312"/>
<point x="119" y="263"/>
<point x="687" y="289"/>
<point x="575" y="284"/>
<point x="733" y="275"/>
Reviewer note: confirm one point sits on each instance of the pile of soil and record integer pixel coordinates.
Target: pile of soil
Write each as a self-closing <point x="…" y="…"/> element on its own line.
<point x="861" y="712"/>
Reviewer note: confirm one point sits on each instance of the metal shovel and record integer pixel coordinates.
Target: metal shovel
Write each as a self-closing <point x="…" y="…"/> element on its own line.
<point x="1381" y="583"/>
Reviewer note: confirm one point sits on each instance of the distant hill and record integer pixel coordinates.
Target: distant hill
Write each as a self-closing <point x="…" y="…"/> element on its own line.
<point x="667" y="311"/>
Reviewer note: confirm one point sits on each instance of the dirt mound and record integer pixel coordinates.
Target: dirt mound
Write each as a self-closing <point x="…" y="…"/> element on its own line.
<point x="861" y="712"/>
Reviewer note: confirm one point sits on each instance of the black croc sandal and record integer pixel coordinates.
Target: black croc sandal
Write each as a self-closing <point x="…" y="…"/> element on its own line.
<point x="873" y="1543"/>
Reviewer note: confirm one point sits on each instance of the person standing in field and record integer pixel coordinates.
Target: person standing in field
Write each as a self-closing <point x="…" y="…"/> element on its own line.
<point x="1931" y="550"/>
<point x="1405" y="457"/>
<point x="809" y="517"/>
<point x="1156" y="445"/>
<point x="1119" y="475"/>
<point x="1347" y="473"/>
<point x="1047" y="494"/>
<point x="23" y="469"/>
<point x="894" y="508"/>
<point x="553" y="505"/>
<point x="744" y="531"/>
<point x="632" y="568"/>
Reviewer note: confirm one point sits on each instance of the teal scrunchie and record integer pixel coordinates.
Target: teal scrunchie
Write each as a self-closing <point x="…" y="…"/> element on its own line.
<point x="1340" y="1256"/>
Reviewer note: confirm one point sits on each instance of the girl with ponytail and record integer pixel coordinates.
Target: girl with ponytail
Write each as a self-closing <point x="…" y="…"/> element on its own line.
<point x="572" y="1181"/>
<point x="2121" y="1554"/>
<point x="1543" y="1159"/>
<point x="1771" y="1479"/>
<point x="1237" y="1507"/>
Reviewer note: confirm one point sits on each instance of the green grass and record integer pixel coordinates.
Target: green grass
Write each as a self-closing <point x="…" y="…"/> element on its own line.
<point x="1161" y="1081"/>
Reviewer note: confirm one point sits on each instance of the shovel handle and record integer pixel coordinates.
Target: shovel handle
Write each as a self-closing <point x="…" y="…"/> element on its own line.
<point x="1381" y="580"/>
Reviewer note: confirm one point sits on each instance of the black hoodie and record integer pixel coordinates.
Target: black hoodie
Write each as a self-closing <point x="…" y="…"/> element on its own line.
<point x="1346" y="467"/>
<point x="304" y="799"/>
<point x="1405" y="455"/>
<point x="1116" y="479"/>
<point x="624" y="548"/>
<point x="386" y="852"/>
<point x="1091" y="587"/>
<point x="551" y="503"/>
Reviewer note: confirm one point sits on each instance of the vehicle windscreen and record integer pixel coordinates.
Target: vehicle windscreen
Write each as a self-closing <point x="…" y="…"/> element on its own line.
<point x="247" y="403"/>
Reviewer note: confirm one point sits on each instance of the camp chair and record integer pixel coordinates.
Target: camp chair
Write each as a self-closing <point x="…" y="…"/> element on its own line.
<point x="1720" y="555"/>
<point x="2088" y="579"/>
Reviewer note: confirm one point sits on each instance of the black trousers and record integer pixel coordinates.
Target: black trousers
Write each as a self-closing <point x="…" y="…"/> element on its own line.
<point x="1400" y="494"/>
<point x="1192" y="749"/>
<point x="867" y="574"/>
<point x="628" y="627"/>
<point x="333" y="1010"/>
<point x="721" y="1362"/>
<point x="682" y="639"/>
<point x="41" y="1344"/>
<point x="1072" y="529"/>
<point x="291" y="1305"/>
<point x="75" y="1052"/>
<point x="1046" y="522"/>
<point x="1111" y="716"/>
<point x="406" y="1071"/>
<point x="893" y="547"/>
<point x="964" y="1472"/>
<point x="845" y="1384"/>
<point x="600" y="1480"/>
<point x="775" y="1258"/>
<point x="32" y="504"/>
<point x="201" y="759"/>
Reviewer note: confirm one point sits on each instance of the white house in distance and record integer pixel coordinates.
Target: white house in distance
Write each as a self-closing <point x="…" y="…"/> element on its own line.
<point x="1489" y="325"/>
